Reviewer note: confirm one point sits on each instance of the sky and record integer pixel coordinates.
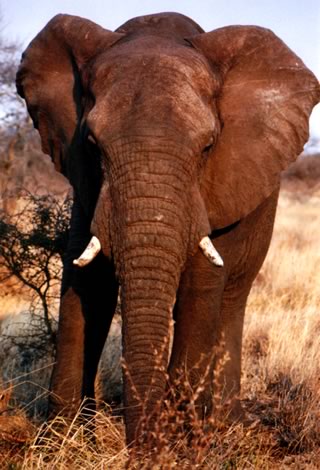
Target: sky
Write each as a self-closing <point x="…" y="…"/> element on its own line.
<point x="296" y="22"/>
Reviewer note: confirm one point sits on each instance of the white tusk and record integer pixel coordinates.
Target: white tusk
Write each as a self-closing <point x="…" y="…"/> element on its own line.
<point x="210" y="252"/>
<point x="89" y="253"/>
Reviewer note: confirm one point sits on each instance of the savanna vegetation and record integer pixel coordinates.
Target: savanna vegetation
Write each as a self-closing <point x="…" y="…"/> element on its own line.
<point x="281" y="367"/>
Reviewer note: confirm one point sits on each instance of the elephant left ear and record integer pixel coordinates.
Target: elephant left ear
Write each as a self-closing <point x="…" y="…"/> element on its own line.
<point x="265" y="102"/>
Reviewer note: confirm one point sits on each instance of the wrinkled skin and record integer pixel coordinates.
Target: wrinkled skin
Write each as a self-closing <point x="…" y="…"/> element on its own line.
<point x="167" y="134"/>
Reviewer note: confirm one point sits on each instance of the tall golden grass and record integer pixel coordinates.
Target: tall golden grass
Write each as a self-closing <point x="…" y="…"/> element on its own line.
<point x="280" y="383"/>
<point x="284" y="303"/>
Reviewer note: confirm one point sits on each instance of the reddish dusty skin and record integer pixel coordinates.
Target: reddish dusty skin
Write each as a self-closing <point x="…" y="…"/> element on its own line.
<point x="167" y="134"/>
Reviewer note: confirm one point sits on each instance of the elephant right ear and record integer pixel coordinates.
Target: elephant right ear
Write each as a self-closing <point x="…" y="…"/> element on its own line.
<point x="49" y="78"/>
<point x="265" y="102"/>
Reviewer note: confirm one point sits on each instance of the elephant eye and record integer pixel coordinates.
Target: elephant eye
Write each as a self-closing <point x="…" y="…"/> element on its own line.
<point x="91" y="139"/>
<point x="210" y="144"/>
<point x="88" y="135"/>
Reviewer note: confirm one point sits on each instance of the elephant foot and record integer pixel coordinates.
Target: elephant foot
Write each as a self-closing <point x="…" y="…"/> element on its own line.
<point x="58" y="406"/>
<point x="66" y="422"/>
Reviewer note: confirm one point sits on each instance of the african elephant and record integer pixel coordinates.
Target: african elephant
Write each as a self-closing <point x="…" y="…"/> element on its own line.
<point x="173" y="140"/>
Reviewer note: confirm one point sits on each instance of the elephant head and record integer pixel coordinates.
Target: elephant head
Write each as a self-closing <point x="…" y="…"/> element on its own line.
<point x="167" y="133"/>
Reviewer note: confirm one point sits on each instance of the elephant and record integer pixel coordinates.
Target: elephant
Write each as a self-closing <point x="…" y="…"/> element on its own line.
<point x="173" y="140"/>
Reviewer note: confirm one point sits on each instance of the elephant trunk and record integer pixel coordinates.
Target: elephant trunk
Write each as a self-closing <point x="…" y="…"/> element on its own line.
<point x="149" y="243"/>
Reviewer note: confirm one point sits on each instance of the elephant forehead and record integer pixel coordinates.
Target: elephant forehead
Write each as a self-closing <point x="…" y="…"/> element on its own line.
<point x="167" y="94"/>
<point x="132" y="67"/>
<point x="152" y="86"/>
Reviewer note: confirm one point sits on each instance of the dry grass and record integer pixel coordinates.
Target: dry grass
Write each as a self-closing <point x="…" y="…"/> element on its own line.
<point x="281" y="390"/>
<point x="284" y="304"/>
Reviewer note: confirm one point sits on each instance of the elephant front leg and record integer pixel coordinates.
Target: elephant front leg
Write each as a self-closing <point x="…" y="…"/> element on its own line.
<point x="87" y="308"/>
<point x="227" y="364"/>
<point x="196" y="332"/>
<point x="209" y="315"/>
